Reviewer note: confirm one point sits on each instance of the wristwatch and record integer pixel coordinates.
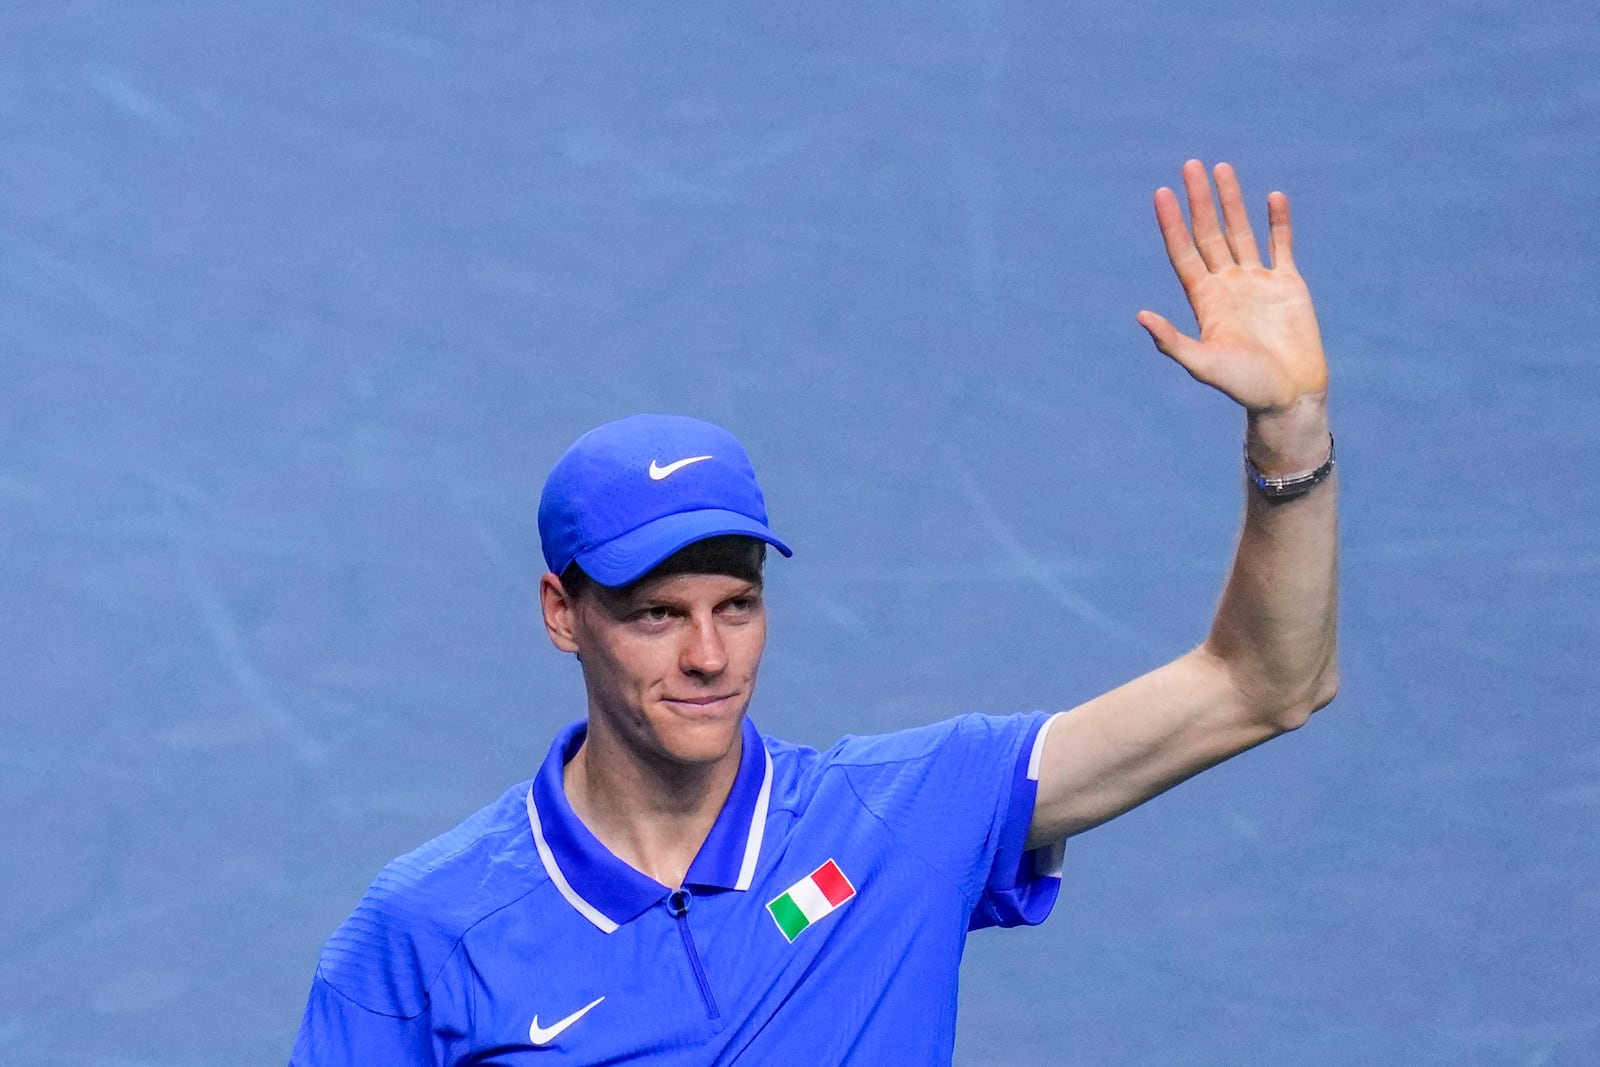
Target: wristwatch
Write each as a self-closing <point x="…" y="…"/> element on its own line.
<point x="1288" y="486"/>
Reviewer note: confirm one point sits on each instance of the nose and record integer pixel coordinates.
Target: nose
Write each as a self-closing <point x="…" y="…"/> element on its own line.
<point x="704" y="652"/>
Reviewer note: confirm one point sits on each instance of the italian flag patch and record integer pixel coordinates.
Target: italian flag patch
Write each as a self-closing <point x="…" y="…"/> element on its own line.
<point x="814" y="897"/>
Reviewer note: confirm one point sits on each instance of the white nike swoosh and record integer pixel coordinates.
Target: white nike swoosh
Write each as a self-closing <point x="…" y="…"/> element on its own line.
<point x="657" y="473"/>
<point x="543" y="1035"/>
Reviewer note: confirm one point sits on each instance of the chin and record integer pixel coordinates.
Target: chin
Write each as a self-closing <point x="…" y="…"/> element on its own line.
<point x="700" y="739"/>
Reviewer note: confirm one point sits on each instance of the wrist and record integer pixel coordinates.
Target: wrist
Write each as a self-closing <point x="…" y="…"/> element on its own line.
<point x="1288" y="486"/>
<point x="1289" y="439"/>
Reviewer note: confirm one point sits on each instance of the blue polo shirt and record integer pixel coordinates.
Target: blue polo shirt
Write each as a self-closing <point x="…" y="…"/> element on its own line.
<point x="821" y="922"/>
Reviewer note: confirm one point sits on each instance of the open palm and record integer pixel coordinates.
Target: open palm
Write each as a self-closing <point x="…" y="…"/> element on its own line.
<point x="1259" y="342"/>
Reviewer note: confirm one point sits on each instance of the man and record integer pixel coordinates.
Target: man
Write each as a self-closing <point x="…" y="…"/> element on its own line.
<point x="675" y="888"/>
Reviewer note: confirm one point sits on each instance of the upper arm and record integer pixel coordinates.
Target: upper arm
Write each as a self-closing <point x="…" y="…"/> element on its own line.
<point x="1118" y="750"/>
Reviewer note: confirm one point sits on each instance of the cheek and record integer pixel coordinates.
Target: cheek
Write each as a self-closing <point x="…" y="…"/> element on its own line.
<point x="638" y="666"/>
<point x="752" y="645"/>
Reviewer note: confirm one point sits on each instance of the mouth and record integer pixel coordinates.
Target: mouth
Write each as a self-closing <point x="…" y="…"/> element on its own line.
<point x="703" y="706"/>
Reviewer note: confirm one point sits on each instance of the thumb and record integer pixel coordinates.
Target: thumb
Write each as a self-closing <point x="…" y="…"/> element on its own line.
<point x="1187" y="352"/>
<point x="1167" y="337"/>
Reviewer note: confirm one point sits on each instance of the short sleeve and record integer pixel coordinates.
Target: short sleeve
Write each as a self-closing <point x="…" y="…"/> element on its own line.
<point x="338" y="1032"/>
<point x="1023" y="883"/>
<point x="960" y="794"/>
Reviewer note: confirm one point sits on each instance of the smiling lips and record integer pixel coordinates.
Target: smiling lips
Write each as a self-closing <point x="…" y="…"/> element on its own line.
<point x="699" y="702"/>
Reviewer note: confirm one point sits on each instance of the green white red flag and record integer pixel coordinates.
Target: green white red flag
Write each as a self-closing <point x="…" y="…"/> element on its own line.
<point x="814" y="897"/>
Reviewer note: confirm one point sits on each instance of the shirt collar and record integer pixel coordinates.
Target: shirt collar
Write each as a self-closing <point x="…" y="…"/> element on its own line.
<point x="604" y="889"/>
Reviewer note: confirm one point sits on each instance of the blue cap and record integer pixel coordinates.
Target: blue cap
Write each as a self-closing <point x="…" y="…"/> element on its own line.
<point x="631" y="493"/>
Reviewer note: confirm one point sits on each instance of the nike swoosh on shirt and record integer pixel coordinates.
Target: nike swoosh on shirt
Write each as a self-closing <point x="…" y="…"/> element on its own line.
<point x="658" y="472"/>
<point x="543" y="1035"/>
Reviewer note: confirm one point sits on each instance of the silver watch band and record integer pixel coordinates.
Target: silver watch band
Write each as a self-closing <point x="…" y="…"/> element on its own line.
<point x="1287" y="486"/>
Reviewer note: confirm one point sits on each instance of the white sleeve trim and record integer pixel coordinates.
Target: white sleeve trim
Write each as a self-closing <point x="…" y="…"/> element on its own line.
<point x="1048" y="860"/>
<point x="1036" y="757"/>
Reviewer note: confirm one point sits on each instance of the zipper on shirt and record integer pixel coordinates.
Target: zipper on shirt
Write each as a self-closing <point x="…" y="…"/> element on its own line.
<point x="678" y="905"/>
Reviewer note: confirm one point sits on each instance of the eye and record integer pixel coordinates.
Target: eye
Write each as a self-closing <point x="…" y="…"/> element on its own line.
<point x="650" y="615"/>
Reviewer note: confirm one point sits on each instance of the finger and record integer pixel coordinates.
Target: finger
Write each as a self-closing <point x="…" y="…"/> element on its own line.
<point x="1280" y="233"/>
<point x="1236" y="220"/>
<point x="1185" y="259"/>
<point x="1203" y="217"/>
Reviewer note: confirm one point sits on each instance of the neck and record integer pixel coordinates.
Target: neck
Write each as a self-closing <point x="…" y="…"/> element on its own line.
<point x="653" y="817"/>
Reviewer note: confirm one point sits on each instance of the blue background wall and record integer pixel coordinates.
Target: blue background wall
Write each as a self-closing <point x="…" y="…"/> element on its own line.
<point x="298" y="303"/>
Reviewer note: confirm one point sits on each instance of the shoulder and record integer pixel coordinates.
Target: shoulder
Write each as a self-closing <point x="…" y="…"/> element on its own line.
<point x="954" y="794"/>
<point x="965" y="737"/>
<point x="940" y="752"/>
<point x="387" y="953"/>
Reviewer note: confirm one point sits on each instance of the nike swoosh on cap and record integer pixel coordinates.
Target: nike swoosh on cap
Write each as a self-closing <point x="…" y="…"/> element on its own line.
<point x="543" y="1035"/>
<point x="658" y="472"/>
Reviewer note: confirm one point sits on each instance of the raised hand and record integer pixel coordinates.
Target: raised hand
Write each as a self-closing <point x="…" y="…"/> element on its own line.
<point x="1259" y="342"/>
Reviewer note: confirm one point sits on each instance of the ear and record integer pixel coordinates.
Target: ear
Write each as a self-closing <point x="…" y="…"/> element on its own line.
<point x="560" y="621"/>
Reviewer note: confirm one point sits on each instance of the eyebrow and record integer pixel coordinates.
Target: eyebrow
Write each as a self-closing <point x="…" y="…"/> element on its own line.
<point x="626" y="600"/>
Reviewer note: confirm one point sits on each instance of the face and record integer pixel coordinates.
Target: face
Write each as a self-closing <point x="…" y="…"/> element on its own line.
<point x="670" y="663"/>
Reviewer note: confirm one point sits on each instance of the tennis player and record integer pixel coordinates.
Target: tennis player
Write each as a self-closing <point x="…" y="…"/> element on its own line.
<point x="674" y="887"/>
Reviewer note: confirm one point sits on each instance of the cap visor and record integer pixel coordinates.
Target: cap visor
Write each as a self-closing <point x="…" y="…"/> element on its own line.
<point x="633" y="555"/>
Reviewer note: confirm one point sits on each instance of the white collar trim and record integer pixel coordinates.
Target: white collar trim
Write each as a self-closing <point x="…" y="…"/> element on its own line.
<point x="559" y="880"/>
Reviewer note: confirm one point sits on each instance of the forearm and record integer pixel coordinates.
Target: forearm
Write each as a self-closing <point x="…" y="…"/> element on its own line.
<point x="1275" y="629"/>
